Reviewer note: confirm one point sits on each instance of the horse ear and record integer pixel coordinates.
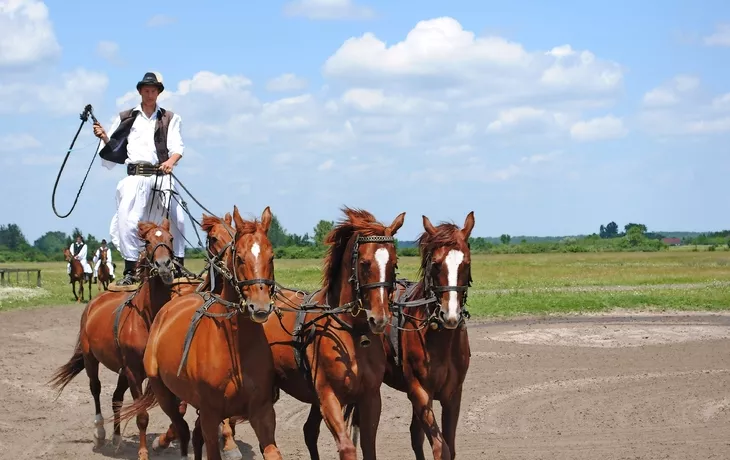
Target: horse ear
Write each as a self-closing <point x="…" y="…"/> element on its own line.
<point x="228" y="219"/>
<point x="397" y="224"/>
<point x="428" y="226"/>
<point x="142" y="228"/>
<point x="266" y="219"/>
<point x="166" y="225"/>
<point x="237" y="218"/>
<point x="468" y="225"/>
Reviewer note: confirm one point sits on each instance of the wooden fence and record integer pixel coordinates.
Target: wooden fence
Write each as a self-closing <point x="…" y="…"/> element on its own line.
<point x="6" y="275"/>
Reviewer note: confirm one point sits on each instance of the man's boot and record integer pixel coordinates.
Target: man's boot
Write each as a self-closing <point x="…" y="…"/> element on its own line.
<point x="128" y="279"/>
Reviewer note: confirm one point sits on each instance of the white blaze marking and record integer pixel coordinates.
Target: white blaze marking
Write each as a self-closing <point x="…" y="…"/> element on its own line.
<point x="382" y="256"/>
<point x="453" y="260"/>
<point x="158" y="233"/>
<point x="256" y="250"/>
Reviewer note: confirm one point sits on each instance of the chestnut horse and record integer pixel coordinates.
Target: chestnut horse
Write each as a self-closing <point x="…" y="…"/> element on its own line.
<point x="114" y="330"/>
<point x="102" y="275"/>
<point x="428" y="347"/>
<point x="330" y="362"/>
<point x="211" y="351"/>
<point x="77" y="275"/>
<point x="220" y="234"/>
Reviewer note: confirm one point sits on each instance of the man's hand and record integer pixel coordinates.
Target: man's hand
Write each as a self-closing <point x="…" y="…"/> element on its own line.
<point x="167" y="166"/>
<point x="99" y="132"/>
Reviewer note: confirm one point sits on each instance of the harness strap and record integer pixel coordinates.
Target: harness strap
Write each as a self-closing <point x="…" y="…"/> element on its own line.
<point x="301" y="341"/>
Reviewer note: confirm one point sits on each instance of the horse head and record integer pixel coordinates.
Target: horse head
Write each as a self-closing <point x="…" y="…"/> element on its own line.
<point x="157" y="254"/>
<point x="219" y="243"/>
<point x="446" y="267"/>
<point x="362" y="257"/>
<point x="252" y="265"/>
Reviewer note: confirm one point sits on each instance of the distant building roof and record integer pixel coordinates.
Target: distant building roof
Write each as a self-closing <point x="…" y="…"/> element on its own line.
<point x="672" y="240"/>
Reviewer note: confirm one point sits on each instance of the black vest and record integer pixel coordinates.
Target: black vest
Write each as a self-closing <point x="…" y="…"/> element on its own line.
<point x="116" y="149"/>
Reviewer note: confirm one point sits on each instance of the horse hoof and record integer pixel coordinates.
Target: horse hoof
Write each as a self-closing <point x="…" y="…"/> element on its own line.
<point x="156" y="447"/>
<point x="143" y="455"/>
<point x="233" y="454"/>
<point x="117" y="440"/>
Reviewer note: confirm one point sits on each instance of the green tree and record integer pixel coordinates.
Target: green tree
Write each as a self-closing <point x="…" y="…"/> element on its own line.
<point x="321" y="230"/>
<point x="634" y="235"/>
<point x="505" y="238"/>
<point x="51" y="243"/>
<point x="277" y="235"/>
<point x="631" y="225"/>
<point x="609" y="231"/>
<point x="12" y="237"/>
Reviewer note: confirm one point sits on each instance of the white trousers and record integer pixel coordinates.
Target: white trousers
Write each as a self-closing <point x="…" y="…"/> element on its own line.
<point x="134" y="194"/>
<point x="84" y="263"/>
<point x="108" y="264"/>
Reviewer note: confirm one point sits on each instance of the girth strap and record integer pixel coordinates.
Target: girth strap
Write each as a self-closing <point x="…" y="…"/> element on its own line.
<point x="398" y="320"/>
<point x="195" y="320"/>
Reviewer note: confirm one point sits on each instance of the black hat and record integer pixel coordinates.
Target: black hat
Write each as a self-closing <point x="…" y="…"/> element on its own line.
<point x="152" y="78"/>
<point x="103" y="241"/>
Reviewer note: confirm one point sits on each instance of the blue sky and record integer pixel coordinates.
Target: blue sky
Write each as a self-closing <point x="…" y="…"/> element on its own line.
<point x="544" y="118"/>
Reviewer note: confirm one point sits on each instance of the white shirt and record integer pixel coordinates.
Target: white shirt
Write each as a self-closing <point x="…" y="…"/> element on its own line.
<point x="141" y="142"/>
<point x="97" y="255"/>
<point x="82" y="253"/>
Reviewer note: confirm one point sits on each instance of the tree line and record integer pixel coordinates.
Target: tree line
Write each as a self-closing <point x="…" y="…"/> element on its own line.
<point x="14" y="246"/>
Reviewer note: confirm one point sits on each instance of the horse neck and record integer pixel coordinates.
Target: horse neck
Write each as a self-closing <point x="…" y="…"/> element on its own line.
<point x="154" y="293"/>
<point x="342" y="291"/>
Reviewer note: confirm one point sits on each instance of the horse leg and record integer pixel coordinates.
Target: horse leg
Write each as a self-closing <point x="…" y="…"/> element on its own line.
<point x="163" y="441"/>
<point x="368" y="412"/>
<point x="73" y="289"/>
<point x="263" y="421"/>
<point x="169" y="404"/>
<point x="449" y="418"/>
<point x="417" y="437"/>
<point x="332" y="415"/>
<point x="92" y="371"/>
<point x="143" y="418"/>
<point x="311" y="430"/>
<point x="198" y="441"/>
<point x="229" y="448"/>
<point x="117" y="400"/>
<point x="423" y="409"/>
<point x="209" y="423"/>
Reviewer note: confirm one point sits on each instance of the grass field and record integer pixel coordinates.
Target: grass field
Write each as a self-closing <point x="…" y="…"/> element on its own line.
<point x="507" y="285"/>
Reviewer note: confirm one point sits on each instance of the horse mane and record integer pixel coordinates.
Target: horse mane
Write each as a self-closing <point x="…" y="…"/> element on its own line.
<point x="356" y="221"/>
<point x="146" y="226"/>
<point x="208" y="222"/>
<point x="447" y="234"/>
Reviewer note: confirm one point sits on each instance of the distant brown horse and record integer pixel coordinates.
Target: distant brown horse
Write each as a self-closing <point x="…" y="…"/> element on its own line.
<point x="103" y="276"/>
<point x="114" y="330"/>
<point x="429" y="357"/>
<point x="329" y="363"/>
<point x="77" y="275"/>
<point x="211" y="351"/>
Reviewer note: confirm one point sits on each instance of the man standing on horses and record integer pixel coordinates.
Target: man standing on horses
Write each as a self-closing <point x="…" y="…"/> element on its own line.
<point x="97" y="260"/>
<point x="147" y="140"/>
<point x="78" y="251"/>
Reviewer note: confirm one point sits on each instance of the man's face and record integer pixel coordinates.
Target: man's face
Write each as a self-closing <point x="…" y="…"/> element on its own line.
<point x="78" y="239"/>
<point x="149" y="94"/>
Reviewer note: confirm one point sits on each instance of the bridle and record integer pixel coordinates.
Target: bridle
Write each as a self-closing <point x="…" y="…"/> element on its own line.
<point x="217" y="263"/>
<point x="431" y="290"/>
<point x="355" y="279"/>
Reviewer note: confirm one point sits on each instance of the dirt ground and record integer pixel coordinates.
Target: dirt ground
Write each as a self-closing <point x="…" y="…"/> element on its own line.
<point x="608" y="387"/>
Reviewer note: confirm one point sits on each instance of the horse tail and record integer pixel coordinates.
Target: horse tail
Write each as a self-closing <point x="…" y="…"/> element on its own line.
<point x="352" y="418"/>
<point x="68" y="371"/>
<point x="143" y="404"/>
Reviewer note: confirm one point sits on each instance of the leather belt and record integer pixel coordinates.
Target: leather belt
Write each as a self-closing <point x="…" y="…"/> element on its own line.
<point x="143" y="169"/>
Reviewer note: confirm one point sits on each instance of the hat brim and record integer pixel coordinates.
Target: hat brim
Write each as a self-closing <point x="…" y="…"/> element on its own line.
<point x="159" y="86"/>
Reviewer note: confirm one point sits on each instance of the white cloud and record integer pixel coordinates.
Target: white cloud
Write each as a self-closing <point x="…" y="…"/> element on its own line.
<point x="608" y="127"/>
<point x="721" y="37"/>
<point x="18" y="142"/>
<point x="327" y="165"/>
<point x="286" y="82"/>
<point x="526" y="118"/>
<point x="70" y="95"/>
<point x="26" y="34"/>
<point x="327" y="9"/>
<point x="108" y="50"/>
<point x="160" y="20"/>
<point x="679" y="107"/>
<point x="439" y="53"/>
